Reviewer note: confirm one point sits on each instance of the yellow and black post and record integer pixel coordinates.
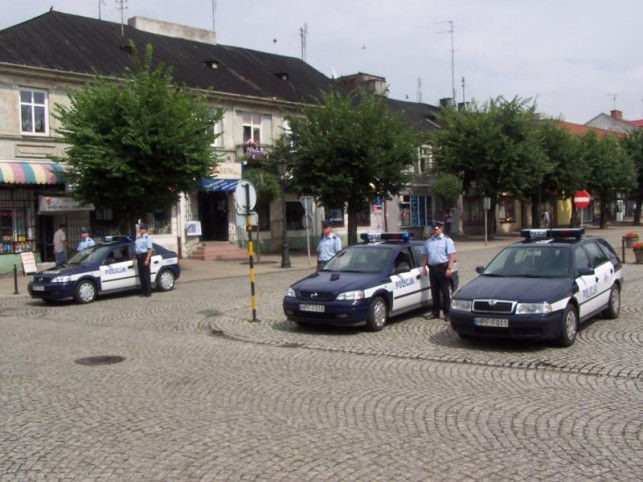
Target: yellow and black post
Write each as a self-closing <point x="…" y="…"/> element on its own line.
<point x="251" y="254"/>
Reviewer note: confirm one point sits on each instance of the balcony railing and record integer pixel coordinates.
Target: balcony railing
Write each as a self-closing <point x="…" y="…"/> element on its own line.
<point x="254" y="152"/>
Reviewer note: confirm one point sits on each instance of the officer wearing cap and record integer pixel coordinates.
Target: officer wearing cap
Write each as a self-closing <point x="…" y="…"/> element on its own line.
<point x="85" y="240"/>
<point x="438" y="256"/>
<point x="143" y="256"/>
<point x="329" y="244"/>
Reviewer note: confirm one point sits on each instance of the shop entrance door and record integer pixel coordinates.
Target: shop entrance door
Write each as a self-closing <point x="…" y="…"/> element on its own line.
<point x="213" y="213"/>
<point x="45" y="240"/>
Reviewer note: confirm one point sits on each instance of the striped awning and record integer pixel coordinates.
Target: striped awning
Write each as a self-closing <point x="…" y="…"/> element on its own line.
<point x="31" y="172"/>
<point x="225" y="185"/>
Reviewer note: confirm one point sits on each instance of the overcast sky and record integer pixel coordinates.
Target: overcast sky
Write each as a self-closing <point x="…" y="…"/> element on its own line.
<point x="574" y="58"/>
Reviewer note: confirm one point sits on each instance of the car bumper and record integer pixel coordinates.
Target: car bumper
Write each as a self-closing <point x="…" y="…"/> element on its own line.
<point x="51" y="291"/>
<point x="343" y="313"/>
<point x="536" y="327"/>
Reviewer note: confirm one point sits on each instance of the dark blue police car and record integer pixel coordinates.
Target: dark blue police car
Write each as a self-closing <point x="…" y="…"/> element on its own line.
<point x="364" y="284"/>
<point x="541" y="288"/>
<point x="106" y="267"/>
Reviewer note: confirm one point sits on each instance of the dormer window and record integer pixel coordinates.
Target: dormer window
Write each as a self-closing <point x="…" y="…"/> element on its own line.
<point x="282" y="75"/>
<point x="212" y="64"/>
<point x="127" y="49"/>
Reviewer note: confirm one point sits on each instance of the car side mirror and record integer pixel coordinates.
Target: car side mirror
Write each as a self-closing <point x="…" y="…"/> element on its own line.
<point x="585" y="271"/>
<point x="479" y="269"/>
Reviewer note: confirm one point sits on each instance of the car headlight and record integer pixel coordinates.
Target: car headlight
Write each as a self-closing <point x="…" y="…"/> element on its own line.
<point x="291" y="293"/>
<point x="351" y="295"/>
<point x="533" y="308"/>
<point x="460" y="305"/>
<point x="61" y="279"/>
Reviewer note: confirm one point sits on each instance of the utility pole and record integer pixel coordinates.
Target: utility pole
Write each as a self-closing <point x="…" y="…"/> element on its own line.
<point x="214" y="25"/>
<point x="464" y="98"/>
<point x="450" y="31"/>
<point x="122" y="6"/>
<point x="419" y="96"/>
<point x="303" y="33"/>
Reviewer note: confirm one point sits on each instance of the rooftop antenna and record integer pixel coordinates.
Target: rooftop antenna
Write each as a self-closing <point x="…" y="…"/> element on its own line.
<point x="450" y="31"/>
<point x="464" y="98"/>
<point x="614" y="96"/>
<point x="214" y="9"/>
<point x="303" y="33"/>
<point x="419" y="90"/>
<point x="122" y="6"/>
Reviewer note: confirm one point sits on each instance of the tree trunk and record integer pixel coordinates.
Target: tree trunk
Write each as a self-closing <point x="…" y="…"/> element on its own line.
<point x="352" y="225"/>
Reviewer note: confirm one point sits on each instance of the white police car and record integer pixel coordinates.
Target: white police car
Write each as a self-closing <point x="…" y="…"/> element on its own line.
<point x="106" y="267"/>
<point x="364" y="284"/>
<point x="541" y="288"/>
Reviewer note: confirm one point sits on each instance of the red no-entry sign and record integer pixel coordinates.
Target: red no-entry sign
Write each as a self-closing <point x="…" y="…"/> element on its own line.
<point x="581" y="199"/>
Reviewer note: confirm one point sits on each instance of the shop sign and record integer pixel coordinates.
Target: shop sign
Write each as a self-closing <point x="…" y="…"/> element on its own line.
<point x="28" y="263"/>
<point x="57" y="204"/>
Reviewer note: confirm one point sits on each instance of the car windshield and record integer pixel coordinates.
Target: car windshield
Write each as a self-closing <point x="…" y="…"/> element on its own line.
<point x="360" y="259"/>
<point x="535" y="261"/>
<point x="92" y="255"/>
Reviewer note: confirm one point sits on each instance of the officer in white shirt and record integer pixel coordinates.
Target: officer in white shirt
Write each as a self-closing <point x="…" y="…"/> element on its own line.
<point x="85" y="240"/>
<point x="329" y="245"/>
<point x="143" y="258"/>
<point x="438" y="256"/>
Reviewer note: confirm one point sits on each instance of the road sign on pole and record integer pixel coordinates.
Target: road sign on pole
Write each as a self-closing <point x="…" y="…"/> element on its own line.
<point x="581" y="199"/>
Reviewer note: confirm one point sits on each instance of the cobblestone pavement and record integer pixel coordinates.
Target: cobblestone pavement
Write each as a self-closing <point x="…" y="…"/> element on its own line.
<point x="204" y="393"/>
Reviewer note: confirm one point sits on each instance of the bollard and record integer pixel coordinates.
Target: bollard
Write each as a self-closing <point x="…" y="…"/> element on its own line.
<point x="15" y="279"/>
<point x="623" y="249"/>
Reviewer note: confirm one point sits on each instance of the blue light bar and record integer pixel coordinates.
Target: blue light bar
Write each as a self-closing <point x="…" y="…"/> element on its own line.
<point x="371" y="237"/>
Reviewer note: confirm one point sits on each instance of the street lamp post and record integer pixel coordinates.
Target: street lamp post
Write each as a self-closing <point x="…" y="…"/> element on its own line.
<point x="282" y="167"/>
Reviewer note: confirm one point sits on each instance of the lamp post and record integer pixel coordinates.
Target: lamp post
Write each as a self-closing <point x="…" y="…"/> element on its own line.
<point x="282" y="167"/>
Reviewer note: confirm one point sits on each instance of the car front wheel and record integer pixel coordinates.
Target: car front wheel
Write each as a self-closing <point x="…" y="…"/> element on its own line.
<point x="165" y="280"/>
<point x="85" y="292"/>
<point x="568" y="327"/>
<point x="377" y="314"/>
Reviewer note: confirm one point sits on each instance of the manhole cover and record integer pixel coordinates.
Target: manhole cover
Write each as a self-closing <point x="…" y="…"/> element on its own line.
<point x="100" y="360"/>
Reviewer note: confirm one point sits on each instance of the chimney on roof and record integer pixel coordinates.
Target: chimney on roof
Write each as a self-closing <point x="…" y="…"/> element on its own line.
<point x="172" y="30"/>
<point x="616" y="114"/>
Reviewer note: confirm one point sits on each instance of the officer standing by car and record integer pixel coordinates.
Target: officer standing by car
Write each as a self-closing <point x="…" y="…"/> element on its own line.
<point x="329" y="245"/>
<point x="438" y="256"/>
<point x="85" y="240"/>
<point x="142" y="259"/>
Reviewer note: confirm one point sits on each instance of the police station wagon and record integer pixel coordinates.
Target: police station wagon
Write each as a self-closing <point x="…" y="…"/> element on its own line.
<point x="364" y="284"/>
<point x="104" y="268"/>
<point x="541" y="288"/>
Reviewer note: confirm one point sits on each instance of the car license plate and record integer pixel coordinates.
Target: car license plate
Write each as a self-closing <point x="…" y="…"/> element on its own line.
<point x="315" y="308"/>
<point x="37" y="288"/>
<point x="494" y="322"/>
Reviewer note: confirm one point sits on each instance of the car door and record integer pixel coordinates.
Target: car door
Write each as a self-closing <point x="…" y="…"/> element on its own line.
<point x="425" y="283"/>
<point x="406" y="281"/>
<point x="587" y="283"/>
<point x="604" y="270"/>
<point x="117" y="270"/>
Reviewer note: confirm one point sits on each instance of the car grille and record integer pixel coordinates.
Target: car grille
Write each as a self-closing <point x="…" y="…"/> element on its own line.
<point x="314" y="295"/>
<point x="493" y="306"/>
<point x="40" y="279"/>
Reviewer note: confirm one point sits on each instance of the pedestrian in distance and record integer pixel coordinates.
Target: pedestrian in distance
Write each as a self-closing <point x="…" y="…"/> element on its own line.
<point x="143" y="258"/>
<point x="60" y="245"/>
<point x="545" y="220"/>
<point x="329" y="245"/>
<point x="438" y="256"/>
<point x="85" y="240"/>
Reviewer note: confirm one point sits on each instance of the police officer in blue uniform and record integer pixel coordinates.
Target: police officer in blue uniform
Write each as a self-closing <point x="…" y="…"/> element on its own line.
<point x="143" y="258"/>
<point x="85" y="241"/>
<point x="329" y="245"/>
<point x="438" y="256"/>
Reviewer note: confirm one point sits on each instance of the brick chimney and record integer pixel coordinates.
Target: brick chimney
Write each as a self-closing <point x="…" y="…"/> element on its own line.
<point x="616" y="114"/>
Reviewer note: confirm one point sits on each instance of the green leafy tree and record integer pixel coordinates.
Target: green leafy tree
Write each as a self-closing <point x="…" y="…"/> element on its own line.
<point x="134" y="145"/>
<point x="565" y="169"/>
<point x="447" y="188"/>
<point x="610" y="170"/>
<point x="633" y="145"/>
<point x="349" y="149"/>
<point x="492" y="148"/>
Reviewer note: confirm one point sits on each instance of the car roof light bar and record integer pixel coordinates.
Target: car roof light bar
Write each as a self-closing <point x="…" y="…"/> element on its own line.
<point x="554" y="233"/>
<point x="372" y="237"/>
<point x="114" y="239"/>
